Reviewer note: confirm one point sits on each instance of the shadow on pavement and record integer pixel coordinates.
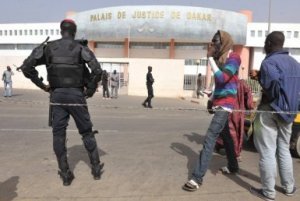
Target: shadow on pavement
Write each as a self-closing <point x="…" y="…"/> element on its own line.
<point x="192" y="156"/>
<point x="8" y="189"/>
<point x="195" y="137"/>
<point x="78" y="153"/>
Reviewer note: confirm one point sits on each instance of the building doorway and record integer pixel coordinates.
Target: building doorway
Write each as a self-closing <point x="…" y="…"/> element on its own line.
<point x="122" y="71"/>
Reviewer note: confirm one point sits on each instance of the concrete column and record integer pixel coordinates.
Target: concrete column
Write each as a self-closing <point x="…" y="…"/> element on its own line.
<point x="208" y="75"/>
<point x="172" y="49"/>
<point x="244" y="51"/>
<point x="126" y="48"/>
<point x="92" y="45"/>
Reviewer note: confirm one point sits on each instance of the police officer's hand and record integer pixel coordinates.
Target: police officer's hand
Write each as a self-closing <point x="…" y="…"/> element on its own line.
<point x="89" y="92"/>
<point x="47" y="88"/>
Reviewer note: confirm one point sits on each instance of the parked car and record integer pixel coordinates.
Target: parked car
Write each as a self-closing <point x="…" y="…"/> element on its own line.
<point x="295" y="138"/>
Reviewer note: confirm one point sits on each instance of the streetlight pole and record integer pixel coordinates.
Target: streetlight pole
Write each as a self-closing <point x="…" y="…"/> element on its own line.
<point x="269" y="18"/>
<point x="196" y="79"/>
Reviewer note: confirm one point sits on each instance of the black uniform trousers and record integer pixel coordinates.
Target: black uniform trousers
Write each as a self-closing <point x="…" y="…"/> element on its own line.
<point x="60" y="118"/>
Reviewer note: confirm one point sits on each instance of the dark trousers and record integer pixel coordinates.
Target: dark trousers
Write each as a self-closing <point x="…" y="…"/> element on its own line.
<point x="60" y="118"/>
<point x="150" y="95"/>
<point x="105" y="91"/>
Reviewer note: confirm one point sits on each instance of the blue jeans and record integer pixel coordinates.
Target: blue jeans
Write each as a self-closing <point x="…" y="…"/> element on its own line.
<point x="272" y="141"/>
<point x="218" y="126"/>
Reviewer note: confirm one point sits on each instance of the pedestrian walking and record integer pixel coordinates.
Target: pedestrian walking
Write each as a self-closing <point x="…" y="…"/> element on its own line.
<point x="7" y="80"/>
<point x="149" y="83"/>
<point x="199" y="85"/>
<point x="225" y="70"/>
<point x="279" y="77"/>
<point x="69" y="84"/>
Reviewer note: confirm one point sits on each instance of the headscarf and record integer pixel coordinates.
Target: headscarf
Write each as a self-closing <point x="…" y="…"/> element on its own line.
<point x="227" y="44"/>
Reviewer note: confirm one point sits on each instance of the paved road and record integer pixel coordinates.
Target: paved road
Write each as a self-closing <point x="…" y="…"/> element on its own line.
<point x="148" y="153"/>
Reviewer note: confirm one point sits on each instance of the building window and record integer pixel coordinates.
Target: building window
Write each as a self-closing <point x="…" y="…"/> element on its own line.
<point x="190" y="46"/>
<point x="36" y="32"/>
<point x="195" y="62"/>
<point x="25" y="32"/>
<point x="30" y="32"/>
<point x="252" y="33"/>
<point x="7" y="46"/>
<point x="41" y="32"/>
<point x="57" y="31"/>
<point x="259" y="33"/>
<point x="288" y="34"/>
<point x="5" y="32"/>
<point x="16" y="32"/>
<point x="47" y="32"/>
<point x="151" y="45"/>
<point x="266" y="33"/>
<point x="20" y="32"/>
<point x="26" y="46"/>
<point x="0" y="32"/>
<point x="52" y="32"/>
<point x="296" y="34"/>
<point x="110" y="45"/>
<point x="10" y="32"/>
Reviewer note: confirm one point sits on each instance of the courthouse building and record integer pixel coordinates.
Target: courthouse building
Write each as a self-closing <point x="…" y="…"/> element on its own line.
<point x="171" y="39"/>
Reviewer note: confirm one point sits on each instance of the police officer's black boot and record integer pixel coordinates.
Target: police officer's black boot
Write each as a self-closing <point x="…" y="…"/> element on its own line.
<point x="91" y="147"/>
<point x="65" y="173"/>
<point x="67" y="177"/>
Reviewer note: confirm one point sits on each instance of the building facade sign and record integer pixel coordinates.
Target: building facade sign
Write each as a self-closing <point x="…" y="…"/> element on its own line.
<point x="150" y="23"/>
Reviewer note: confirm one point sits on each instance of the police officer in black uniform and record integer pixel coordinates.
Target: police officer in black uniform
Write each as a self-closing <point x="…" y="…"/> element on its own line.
<point x="69" y="85"/>
<point x="149" y="83"/>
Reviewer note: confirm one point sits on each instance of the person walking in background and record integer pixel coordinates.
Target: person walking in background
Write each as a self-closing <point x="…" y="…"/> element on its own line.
<point x="105" y="81"/>
<point x="199" y="85"/>
<point x="7" y="80"/>
<point x="66" y="60"/>
<point x="114" y="82"/>
<point x="149" y="83"/>
<point x="225" y="70"/>
<point x="237" y="119"/>
<point x="279" y="77"/>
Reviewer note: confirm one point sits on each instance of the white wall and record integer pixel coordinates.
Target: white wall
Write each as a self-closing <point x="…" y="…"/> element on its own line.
<point x="167" y="73"/>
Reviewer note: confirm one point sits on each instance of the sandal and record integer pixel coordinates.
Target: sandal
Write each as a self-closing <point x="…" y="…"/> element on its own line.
<point x="191" y="185"/>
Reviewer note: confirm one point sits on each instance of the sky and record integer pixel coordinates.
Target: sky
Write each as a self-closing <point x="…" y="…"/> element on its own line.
<point x="31" y="11"/>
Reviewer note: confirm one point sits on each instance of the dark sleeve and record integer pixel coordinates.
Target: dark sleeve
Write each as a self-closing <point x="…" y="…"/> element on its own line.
<point x="89" y="58"/>
<point x="28" y="67"/>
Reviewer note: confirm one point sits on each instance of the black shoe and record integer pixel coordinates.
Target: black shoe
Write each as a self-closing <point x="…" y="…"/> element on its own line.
<point x="96" y="171"/>
<point x="150" y="106"/>
<point x="67" y="177"/>
<point x="144" y="104"/>
<point x="259" y="193"/>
